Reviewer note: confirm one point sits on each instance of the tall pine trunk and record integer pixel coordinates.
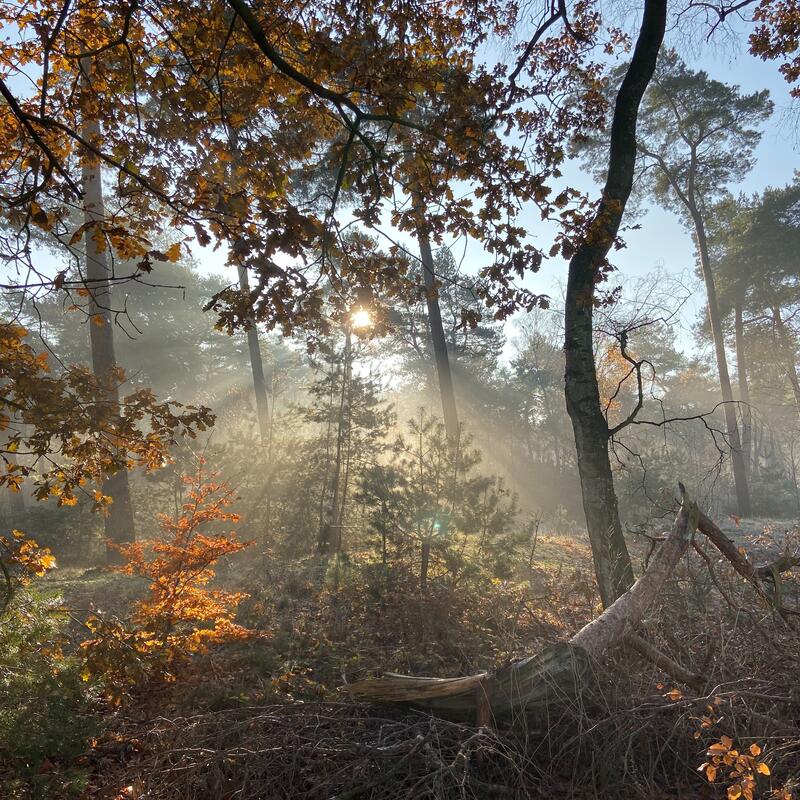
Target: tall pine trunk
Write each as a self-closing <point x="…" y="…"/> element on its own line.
<point x="119" y="528"/>
<point x="253" y="345"/>
<point x="744" y="388"/>
<point x="256" y="366"/>
<point x="440" y="355"/>
<point x="731" y="423"/>
<point x="789" y="353"/>
<point x="612" y="562"/>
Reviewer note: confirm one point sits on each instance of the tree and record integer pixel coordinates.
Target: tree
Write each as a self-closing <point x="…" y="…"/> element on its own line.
<point x="777" y="35"/>
<point x="336" y="86"/>
<point x="436" y="329"/>
<point x="433" y="506"/>
<point x="537" y="379"/>
<point x="473" y="340"/>
<point x="589" y="261"/>
<point x="63" y="432"/>
<point x="352" y="424"/>
<point x="260" y="390"/>
<point x="696" y="137"/>
<point x="754" y="241"/>
<point x="118" y="519"/>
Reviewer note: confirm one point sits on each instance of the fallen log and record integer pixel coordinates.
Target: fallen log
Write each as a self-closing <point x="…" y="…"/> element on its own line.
<point x="742" y="564"/>
<point x="560" y="672"/>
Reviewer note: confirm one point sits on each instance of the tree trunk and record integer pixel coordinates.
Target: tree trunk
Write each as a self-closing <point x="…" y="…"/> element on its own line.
<point x="257" y="366"/>
<point x="611" y="559"/>
<point x="623" y="616"/>
<point x="253" y="344"/>
<point x="342" y="510"/>
<point x="744" y="389"/>
<point x="423" y="567"/>
<point x="789" y="353"/>
<point x="449" y="410"/>
<point x="323" y="535"/>
<point x="119" y="528"/>
<point x="731" y="423"/>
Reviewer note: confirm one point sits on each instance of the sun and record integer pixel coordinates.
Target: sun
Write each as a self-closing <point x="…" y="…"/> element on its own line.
<point x="360" y="318"/>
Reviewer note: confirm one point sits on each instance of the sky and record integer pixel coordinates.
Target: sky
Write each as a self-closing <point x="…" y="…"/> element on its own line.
<point x="661" y="244"/>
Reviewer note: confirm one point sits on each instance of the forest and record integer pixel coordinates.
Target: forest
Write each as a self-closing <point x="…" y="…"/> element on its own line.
<point x="400" y="399"/>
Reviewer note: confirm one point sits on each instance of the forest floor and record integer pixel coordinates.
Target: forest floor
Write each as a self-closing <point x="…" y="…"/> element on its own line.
<point x="264" y="718"/>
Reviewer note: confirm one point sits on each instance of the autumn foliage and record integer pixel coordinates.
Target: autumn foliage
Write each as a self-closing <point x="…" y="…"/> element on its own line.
<point x="61" y="432"/>
<point x="740" y="767"/>
<point x="181" y="614"/>
<point x="21" y="559"/>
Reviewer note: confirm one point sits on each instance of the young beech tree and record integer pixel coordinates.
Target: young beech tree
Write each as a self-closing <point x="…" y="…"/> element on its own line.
<point x="181" y="614"/>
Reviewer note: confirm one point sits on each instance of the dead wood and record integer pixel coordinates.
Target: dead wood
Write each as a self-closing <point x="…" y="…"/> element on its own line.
<point x="663" y="661"/>
<point x="737" y="556"/>
<point x="560" y="672"/>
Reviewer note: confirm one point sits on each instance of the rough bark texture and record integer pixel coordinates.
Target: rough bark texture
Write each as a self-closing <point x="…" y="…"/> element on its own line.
<point x="257" y="367"/>
<point x="621" y="618"/>
<point x="119" y="527"/>
<point x="731" y="423"/>
<point x="611" y="559"/>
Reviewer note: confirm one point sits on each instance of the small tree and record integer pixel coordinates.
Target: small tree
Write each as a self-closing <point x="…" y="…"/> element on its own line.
<point x="353" y="422"/>
<point x="431" y="501"/>
<point x="181" y="615"/>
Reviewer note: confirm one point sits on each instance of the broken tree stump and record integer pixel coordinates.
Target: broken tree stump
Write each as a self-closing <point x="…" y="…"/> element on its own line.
<point x="559" y="673"/>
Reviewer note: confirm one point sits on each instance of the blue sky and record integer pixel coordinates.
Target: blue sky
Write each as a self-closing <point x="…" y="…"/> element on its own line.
<point x="662" y="244"/>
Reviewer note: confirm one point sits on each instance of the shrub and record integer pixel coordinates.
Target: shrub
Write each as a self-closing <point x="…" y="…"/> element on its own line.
<point x="181" y="615"/>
